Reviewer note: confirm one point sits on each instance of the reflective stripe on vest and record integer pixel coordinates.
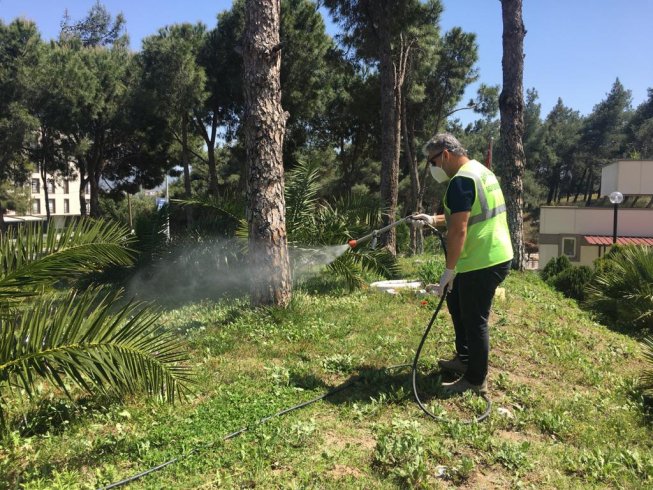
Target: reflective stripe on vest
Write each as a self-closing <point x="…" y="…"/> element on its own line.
<point x="487" y="242"/>
<point x="486" y="212"/>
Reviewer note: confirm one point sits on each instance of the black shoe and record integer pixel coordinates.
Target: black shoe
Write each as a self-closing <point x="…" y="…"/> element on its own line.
<point x="462" y="385"/>
<point x="455" y="365"/>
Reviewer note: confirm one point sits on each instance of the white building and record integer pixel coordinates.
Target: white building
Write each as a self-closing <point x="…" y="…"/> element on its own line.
<point x="63" y="200"/>
<point x="585" y="233"/>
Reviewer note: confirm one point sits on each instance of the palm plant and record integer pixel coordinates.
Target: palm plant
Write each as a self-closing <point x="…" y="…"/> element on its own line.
<point x="79" y="338"/>
<point x="313" y="222"/>
<point x="622" y="288"/>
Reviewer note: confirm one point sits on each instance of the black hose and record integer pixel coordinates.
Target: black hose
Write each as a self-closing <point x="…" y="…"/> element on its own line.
<point x="335" y="390"/>
<point x="195" y="450"/>
<point x="488" y="407"/>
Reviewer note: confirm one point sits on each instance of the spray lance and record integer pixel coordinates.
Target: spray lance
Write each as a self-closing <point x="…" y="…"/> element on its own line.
<point x="375" y="234"/>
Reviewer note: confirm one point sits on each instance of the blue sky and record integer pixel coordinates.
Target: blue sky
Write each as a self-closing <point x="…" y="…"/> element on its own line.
<point x="575" y="49"/>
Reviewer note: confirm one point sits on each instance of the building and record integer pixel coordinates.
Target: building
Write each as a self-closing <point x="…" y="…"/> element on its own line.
<point x="585" y="233"/>
<point x="63" y="200"/>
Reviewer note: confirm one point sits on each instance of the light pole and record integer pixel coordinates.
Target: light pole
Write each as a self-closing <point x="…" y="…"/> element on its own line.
<point x="616" y="198"/>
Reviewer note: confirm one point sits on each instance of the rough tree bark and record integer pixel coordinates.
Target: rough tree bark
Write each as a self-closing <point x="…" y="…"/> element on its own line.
<point x="511" y="105"/>
<point x="416" y="236"/>
<point x="186" y="164"/>
<point x="390" y="134"/>
<point x="265" y="123"/>
<point x="209" y="139"/>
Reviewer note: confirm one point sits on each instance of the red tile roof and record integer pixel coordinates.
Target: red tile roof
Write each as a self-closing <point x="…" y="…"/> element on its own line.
<point x="621" y="240"/>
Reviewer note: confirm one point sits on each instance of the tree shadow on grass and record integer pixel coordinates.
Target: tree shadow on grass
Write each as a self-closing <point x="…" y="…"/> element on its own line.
<point x="394" y="384"/>
<point x="54" y="415"/>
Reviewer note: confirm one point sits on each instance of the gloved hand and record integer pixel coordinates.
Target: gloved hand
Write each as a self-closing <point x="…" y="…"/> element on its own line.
<point x="446" y="281"/>
<point x="423" y="219"/>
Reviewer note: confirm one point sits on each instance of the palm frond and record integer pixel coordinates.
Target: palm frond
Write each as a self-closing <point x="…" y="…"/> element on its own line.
<point x="622" y="287"/>
<point x="31" y="260"/>
<point x="226" y="206"/>
<point x="301" y="191"/>
<point x="348" y="269"/>
<point x="79" y="339"/>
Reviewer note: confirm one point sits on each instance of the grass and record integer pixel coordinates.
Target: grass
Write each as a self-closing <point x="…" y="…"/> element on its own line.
<point x="567" y="410"/>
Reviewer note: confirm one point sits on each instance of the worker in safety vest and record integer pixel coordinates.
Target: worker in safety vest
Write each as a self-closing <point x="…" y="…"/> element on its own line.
<point x="479" y="254"/>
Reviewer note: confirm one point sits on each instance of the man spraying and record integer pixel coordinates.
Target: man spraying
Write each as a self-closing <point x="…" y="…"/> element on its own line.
<point x="479" y="253"/>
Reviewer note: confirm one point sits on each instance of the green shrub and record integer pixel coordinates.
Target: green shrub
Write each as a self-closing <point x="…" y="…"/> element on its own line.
<point x="555" y="266"/>
<point x="572" y="281"/>
<point x="622" y="287"/>
<point x="400" y="452"/>
<point x="431" y="270"/>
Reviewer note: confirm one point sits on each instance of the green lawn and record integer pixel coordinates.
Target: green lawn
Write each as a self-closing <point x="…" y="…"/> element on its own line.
<point x="567" y="412"/>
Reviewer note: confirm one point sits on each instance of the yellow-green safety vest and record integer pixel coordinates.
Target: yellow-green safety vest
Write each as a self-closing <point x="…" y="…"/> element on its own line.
<point x="488" y="237"/>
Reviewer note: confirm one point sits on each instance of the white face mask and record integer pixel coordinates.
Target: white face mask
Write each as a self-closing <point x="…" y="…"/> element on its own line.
<point x="438" y="174"/>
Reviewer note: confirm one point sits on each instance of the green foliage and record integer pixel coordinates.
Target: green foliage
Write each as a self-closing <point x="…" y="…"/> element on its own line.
<point x="430" y="271"/>
<point x="555" y="266"/>
<point x="313" y="222"/>
<point x="607" y="465"/>
<point x="572" y="281"/>
<point x="255" y="362"/>
<point x="513" y="456"/>
<point x="647" y="378"/>
<point x="400" y="452"/>
<point x="118" y="209"/>
<point x="78" y="337"/>
<point x="32" y="262"/>
<point x="622" y="288"/>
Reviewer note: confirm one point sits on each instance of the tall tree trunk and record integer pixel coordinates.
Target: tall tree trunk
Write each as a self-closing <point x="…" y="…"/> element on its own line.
<point x="209" y="139"/>
<point x="44" y="179"/>
<point x="390" y="129"/>
<point x="553" y="184"/>
<point x="265" y="123"/>
<point x="94" y="181"/>
<point x="416" y="236"/>
<point x="83" y="180"/>
<point x="393" y="75"/>
<point x="95" y="167"/>
<point x="186" y="164"/>
<point x="590" y="186"/>
<point x="3" y="225"/>
<point x="579" y="186"/>
<point x="511" y="105"/>
<point x="43" y="171"/>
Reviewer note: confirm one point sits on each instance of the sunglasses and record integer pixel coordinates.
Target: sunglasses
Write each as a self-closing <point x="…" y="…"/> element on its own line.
<point x="432" y="159"/>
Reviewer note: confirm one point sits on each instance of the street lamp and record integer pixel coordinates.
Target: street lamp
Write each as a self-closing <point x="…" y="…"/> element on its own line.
<point x="616" y="198"/>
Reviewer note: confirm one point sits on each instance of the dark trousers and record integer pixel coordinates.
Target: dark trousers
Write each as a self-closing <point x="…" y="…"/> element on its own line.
<point x="469" y="304"/>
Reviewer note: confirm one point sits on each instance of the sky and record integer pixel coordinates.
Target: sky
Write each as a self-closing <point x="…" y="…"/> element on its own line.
<point x="575" y="49"/>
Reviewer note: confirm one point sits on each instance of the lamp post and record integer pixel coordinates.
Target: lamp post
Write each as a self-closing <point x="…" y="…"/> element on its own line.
<point x="616" y="198"/>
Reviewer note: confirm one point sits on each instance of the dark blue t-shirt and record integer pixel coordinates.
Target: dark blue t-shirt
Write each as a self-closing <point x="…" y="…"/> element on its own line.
<point x="460" y="194"/>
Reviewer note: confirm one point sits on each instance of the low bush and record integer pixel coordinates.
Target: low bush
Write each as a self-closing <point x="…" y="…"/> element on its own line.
<point x="572" y="281"/>
<point x="555" y="266"/>
<point x="430" y="271"/>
